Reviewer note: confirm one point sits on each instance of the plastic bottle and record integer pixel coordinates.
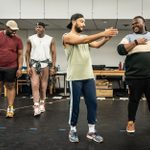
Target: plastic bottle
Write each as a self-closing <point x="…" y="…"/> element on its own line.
<point x="120" y="66"/>
<point x="58" y="67"/>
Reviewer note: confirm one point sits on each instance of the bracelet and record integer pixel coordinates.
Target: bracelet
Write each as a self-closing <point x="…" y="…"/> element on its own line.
<point x="136" y="42"/>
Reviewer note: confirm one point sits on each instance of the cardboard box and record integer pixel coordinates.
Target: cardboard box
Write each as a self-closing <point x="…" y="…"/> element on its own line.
<point x="103" y="84"/>
<point x="104" y="92"/>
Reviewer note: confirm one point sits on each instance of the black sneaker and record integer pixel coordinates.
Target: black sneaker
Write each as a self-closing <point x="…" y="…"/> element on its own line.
<point x="95" y="137"/>
<point x="73" y="137"/>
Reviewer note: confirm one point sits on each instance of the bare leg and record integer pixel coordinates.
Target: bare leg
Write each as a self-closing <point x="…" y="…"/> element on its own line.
<point x="10" y="88"/>
<point x="35" y="83"/>
<point x="44" y="83"/>
<point x="43" y="87"/>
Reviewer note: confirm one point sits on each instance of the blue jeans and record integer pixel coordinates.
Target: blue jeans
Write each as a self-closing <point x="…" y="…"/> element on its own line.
<point x="86" y="88"/>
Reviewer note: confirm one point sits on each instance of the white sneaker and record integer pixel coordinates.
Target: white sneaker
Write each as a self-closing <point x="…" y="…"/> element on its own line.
<point x="42" y="107"/>
<point x="10" y="112"/>
<point x="37" y="110"/>
<point x="73" y="137"/>
<point x="95" y="137"/>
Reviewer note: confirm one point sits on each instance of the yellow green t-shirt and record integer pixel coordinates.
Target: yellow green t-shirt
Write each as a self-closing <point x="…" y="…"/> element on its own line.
<point x="79" y="62"/>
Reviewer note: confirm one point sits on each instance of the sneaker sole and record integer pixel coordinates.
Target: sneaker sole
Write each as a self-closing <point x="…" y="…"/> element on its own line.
<point x="35" y="115"/>
<point x="128" y="131"/>
<point x="9" y="116"/>
<point x="92" y="139"/>
<point x="43" y="111"/>
<point x="73" y="141"/>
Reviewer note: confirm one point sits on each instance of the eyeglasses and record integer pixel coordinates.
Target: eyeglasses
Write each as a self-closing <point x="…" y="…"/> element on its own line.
<point x="12" y="31"/>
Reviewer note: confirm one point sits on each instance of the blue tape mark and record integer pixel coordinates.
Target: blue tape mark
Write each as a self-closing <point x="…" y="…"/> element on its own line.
<point x="122" y="130"/>
<point x="2" y="127"/>
<point x="33" y="129"/>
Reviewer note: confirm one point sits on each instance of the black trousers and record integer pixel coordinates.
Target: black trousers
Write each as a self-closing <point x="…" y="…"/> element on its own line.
<point x="137" y="88"/>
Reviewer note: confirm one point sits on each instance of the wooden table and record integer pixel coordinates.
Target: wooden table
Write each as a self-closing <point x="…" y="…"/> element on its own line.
<point x="109" y="72"/>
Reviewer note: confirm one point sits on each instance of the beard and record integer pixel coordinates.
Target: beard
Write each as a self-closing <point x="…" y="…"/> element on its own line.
<point x="138" y="30"/>
<point x="78" y="30"/>
<point x="10" y="34"/>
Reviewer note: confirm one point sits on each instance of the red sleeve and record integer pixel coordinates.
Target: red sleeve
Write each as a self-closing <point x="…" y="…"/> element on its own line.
<point x="20" y="44"/>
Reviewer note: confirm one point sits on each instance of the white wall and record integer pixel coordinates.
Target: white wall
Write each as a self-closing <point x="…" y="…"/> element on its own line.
<point x="105" y="9"/>
<point x="10" y="9"/>
<point x="107" y="54"/>
<point x="31" y="9"/>
<point x="63" y="9"/>
<point x="127" y="10"/>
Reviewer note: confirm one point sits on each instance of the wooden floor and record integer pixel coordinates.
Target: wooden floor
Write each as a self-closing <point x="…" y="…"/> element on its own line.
<point x="50" y="130"/>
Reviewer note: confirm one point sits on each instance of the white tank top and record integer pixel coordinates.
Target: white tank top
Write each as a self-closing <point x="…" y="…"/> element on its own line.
<point x="40" y="48"/>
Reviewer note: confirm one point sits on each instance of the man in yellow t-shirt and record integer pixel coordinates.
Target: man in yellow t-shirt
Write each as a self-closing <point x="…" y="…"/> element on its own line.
<point x="80" y="73"/>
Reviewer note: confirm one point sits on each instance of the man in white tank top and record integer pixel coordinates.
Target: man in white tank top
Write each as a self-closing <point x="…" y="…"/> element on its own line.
<point x="40" y="58"/>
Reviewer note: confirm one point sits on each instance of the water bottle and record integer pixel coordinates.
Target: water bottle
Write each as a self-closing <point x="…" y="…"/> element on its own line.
<point x="120" y="66"/>
<point x="58" y="68"/>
